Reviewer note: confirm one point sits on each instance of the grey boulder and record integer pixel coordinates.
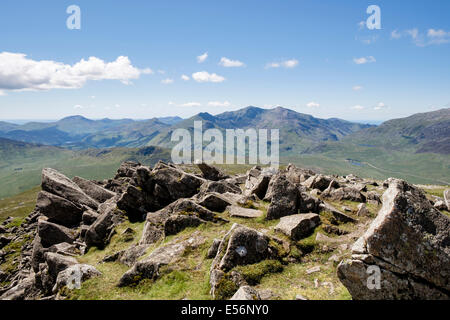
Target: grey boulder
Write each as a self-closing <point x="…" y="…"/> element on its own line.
<point x="58" y="184"/>
<point x="298" y="226"/>
<point x="93" y="190"/>
<point x="58" y="209"/>
<point x="408" y="244"/>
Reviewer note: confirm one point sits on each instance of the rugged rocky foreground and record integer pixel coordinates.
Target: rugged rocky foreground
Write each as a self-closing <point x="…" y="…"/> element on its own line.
<point x="408" y="241"/>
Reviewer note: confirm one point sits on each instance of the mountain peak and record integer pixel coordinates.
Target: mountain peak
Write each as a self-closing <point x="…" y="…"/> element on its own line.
<point x="75" y="118"/>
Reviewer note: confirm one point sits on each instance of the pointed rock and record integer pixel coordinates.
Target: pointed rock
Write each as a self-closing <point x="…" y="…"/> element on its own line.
<point x="408" y="244"/>
<point x="93" y="190"/>
<point x="58" y="209"/>
<point x="58" y="184"/>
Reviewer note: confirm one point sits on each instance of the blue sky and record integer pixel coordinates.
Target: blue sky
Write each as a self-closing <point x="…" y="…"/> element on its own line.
<point x="315" y="57"/>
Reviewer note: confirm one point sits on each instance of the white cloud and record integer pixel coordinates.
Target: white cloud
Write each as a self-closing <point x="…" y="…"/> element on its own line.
<point x="438" y="36"/>
<point x="395" y="34"/>
<point x="357" y="88"/>
<point x="191" y="104"/>
<point x="185" y="77"/>
<point x="225" y="62"/>
<point x="292" y="63"/>
<point x="358" y="107"/>
<point x="167" y="81"/>
<point x="364" y="60"/>
<point x="2" y="93"/>
<point x="313" y="104"/>
<point x="204" y="76"/>
<point x="78" y="106"/>
<point x="219" y="104"/>
<point x="380" y="106"/>
<point x="161" y="71"/>
<point x="117" y="105"/>
<point x="17" y="72"/>
<point x="420" y="39"/>
<point x="93" y="97"/>
<point x="414" y="33"/>
<point x="202" y="58"/>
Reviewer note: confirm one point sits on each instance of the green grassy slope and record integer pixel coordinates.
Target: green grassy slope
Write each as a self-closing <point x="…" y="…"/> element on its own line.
<point x="21" y="168"/>
<point x="377" y="163"/>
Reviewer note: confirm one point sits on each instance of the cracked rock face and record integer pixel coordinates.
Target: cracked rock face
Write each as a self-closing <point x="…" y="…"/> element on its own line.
<point x="408" y="243"/>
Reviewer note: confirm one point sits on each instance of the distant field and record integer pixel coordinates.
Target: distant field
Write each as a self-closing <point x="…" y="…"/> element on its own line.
<point x="18" y="206"/>
<point x="377" y="163"/>
<point x="24" y="173"/>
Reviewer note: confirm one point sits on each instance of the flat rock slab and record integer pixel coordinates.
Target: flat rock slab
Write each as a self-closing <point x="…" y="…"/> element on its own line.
<point x="239" y="212"/>
<point x="298" y="226"/>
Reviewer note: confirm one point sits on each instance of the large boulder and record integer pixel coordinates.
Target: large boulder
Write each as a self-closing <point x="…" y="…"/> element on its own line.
<point x="58" y="262"/>
<point x="240" y="246"/>
<point x="99" y="233"/>
<point x="408" y="243"/>
<point x="51" y="233"/>
<point x="174" y="218"/>
<point x="319" y="181"/>
<point x="210" y="172"/>
<point x="93" y="190"/>
<point x="215" y="202"/>
<point x="243" y="246"/>
<point x="285" y="198"/>
<point x="58" y="184"/>
<point x="58" y="209"/>
<point x="151" y="190"/>
<point x="258" y="186"/>
<point x="298" y="226"/>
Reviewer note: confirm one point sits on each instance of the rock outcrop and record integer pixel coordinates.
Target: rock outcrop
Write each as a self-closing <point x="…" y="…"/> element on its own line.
<point x="151" y="190"/>
<point x="407" y="246"/>
<point x="185" y="214"/>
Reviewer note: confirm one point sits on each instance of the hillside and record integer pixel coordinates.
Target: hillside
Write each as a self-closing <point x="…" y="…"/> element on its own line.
<point x="21" y="163"/>
<point x="413" y="148"/>
<point x="421" y="133"/>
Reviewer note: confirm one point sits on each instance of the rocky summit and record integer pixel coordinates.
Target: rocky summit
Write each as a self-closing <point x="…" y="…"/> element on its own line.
<point x="198" y="232"/>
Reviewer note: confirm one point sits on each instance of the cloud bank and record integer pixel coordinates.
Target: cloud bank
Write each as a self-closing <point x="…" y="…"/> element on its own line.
<point x="19" y="73"/>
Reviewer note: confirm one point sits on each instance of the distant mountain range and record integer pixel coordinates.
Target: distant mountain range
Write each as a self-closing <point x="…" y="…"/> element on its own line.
<point x="416" y="148"/>
<point x="297" y="131"/>
<point x="421" y="133"/>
